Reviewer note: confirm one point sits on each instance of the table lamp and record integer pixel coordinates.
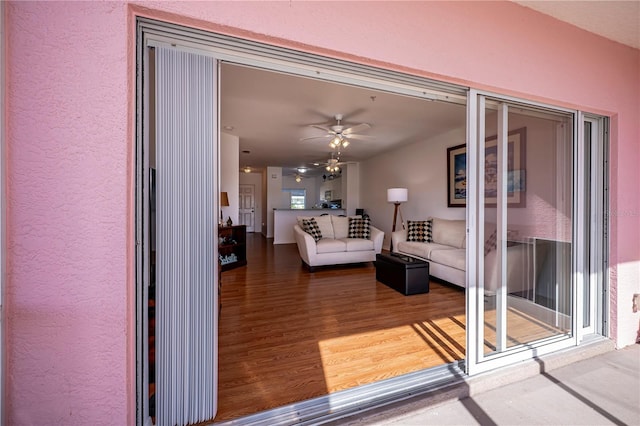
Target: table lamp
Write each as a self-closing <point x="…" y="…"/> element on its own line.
<point x="224" y="202"/>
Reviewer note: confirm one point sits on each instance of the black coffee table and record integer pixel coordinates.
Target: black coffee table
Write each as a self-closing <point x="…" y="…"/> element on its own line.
<point x="403" y="273"/>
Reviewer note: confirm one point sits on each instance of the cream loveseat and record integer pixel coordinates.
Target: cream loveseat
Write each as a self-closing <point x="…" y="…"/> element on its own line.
<point x="445" y="251"/>
<point x="330" y="242"/>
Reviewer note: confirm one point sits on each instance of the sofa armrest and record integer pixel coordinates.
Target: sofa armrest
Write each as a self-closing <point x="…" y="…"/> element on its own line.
<point x="398" y="236"/>
<point x="306" y="245"/>
<point x="377" y="236"/>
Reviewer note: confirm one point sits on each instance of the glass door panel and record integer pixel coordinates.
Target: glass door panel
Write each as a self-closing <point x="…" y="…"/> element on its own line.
<point x="526" y="199"/>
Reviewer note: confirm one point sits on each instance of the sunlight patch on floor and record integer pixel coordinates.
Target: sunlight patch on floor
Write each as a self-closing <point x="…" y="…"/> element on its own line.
<point x="373" y="355"/>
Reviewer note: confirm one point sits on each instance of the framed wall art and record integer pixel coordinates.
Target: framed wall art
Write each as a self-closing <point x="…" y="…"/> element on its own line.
<point x="516" y="172"/>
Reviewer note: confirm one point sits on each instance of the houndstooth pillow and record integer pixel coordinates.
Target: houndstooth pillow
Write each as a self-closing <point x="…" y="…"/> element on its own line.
<point x="310" y="226"/>
<point x="419" y="230"/>
<point x="359" y="227"/>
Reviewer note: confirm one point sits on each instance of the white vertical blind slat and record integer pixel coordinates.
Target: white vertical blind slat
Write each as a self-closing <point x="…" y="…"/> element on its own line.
<point x="185" y="173"/>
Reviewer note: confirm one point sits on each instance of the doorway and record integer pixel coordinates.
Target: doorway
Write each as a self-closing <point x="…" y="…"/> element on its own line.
<point x="166" y="36"/>
<point x="247" y="209"/>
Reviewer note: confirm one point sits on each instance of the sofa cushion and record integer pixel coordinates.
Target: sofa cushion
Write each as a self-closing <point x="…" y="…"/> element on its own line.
<point x="310" y="226"/>
<point x="455" y="258"/>
<point x="358" y="244"/>
<point x="340" y="226"/>
<point x="359" y="227"/>
<point x="422" y="250"/>
<point x="324" y="223"/>
<point x="327" y="245"/>
<point x="419" y="230"/>
<point x="449" y="232"/>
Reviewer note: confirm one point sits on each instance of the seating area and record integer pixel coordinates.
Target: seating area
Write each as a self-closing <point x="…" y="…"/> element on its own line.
<point x="332" y="240"/>
<point x="442" y="243"/>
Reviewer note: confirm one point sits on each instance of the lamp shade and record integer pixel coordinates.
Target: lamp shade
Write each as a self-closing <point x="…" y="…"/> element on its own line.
<point x="397" y="195"/>
<point x="224" y="199"/>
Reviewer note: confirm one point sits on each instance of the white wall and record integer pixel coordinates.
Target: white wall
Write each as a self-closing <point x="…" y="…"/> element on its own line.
<point x="229" y="179"/>
<point x="275" y="197"/>
<point x="422" y="168"/>
<point x="351" y="188"/>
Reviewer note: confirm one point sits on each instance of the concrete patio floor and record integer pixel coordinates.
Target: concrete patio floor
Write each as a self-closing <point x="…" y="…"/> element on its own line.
<point x="599" y="390"/>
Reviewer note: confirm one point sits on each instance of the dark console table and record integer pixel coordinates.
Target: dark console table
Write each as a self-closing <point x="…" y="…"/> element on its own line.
<point x="232" y="246"/>
<point x="403" y="273"/>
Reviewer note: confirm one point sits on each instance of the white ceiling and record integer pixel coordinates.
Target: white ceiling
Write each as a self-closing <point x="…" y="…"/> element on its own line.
<point x="271" y="112"/>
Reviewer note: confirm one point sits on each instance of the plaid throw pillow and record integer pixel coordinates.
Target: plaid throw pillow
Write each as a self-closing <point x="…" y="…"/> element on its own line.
<point x="359" y="227"/>
<point x="310" y="226"/>
<point x="419" y="230"/>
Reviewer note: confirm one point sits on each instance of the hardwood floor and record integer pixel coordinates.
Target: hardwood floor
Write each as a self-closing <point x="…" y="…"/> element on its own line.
<point x="287" y="335"/>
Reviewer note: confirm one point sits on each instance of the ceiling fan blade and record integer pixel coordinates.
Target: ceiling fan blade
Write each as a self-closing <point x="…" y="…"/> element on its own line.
<point x="357" y="128"/>
<point x="361" y="137"/>
<point x="316" y="137"/>
<point x="323" y="128"/>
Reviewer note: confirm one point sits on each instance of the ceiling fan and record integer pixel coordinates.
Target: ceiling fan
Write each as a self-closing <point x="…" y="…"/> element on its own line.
<point x="339" y="134"/>
<point x="332" y="165"/>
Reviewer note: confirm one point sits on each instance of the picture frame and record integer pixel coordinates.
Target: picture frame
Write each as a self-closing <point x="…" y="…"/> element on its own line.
<point x="516" y="171"/>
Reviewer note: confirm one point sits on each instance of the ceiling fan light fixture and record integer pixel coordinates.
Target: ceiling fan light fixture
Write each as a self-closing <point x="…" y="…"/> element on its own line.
<point x="345" y="143"/>
<point x="298" y="178"/>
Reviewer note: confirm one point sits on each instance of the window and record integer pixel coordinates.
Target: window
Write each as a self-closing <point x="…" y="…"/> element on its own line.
<point x="298" y="197"/>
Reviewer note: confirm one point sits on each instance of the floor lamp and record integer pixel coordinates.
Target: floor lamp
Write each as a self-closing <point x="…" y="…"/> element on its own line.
<point x="396" y="196"/>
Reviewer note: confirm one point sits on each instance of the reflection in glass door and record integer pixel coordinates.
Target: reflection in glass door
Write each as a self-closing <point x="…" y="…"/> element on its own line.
<point x="524" y="232"/>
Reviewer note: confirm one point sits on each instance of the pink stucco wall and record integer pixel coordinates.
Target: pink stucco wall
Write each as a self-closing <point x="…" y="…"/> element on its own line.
<point x="70" y="135"/>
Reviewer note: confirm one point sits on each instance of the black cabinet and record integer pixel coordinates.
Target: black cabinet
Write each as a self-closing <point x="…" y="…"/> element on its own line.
<point x="232" y="246"/>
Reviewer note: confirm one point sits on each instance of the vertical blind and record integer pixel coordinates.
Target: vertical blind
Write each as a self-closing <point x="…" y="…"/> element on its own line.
<point x="185" y="181"/>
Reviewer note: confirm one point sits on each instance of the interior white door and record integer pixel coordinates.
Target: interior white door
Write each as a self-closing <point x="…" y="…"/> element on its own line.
<point x="247" y="211"/>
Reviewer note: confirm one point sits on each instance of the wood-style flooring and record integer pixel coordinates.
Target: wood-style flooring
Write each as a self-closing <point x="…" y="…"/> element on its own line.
<point x="287" y="335"/>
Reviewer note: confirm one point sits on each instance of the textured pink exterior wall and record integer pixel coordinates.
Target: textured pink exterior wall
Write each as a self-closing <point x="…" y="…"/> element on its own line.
<point x="68" y="210"/>
<point x="70" y="104"/>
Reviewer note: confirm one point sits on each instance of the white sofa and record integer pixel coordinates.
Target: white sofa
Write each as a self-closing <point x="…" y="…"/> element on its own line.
<point x="446" y="255"/>
<point x="335" y="247"/>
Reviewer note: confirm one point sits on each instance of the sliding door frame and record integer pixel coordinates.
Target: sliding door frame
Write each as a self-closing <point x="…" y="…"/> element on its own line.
<point x="595" y="170"/>
<point x="476" y="360"/>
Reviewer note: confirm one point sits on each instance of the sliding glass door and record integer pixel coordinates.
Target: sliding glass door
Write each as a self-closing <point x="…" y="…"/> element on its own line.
<point x="521" y="215"/>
